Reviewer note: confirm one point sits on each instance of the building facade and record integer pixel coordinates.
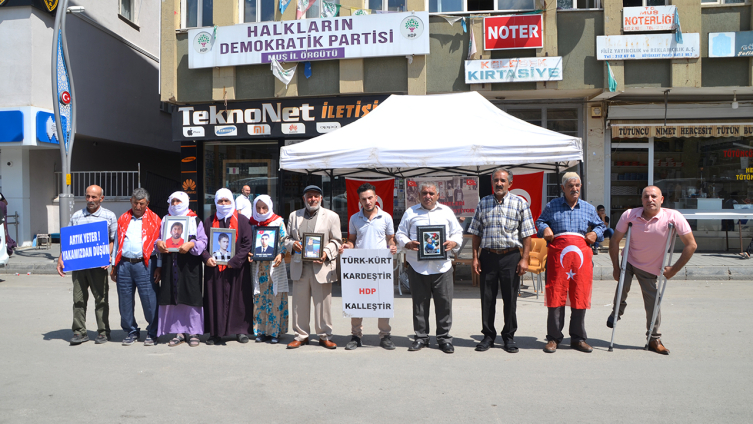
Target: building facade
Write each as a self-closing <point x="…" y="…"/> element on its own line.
<point x="122" y="138"/>
<point x="609" y="72"/>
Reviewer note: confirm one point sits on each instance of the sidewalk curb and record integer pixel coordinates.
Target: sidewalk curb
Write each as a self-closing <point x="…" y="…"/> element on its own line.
<point x="44" y="269"/>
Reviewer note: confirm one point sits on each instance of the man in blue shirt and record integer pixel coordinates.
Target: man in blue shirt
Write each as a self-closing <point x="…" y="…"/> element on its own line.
<point x="565" y="224"/>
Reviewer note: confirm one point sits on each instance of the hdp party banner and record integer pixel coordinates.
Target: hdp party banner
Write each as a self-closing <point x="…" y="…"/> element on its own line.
<point x="531" y="188"/>
<point x="385" y="192"/>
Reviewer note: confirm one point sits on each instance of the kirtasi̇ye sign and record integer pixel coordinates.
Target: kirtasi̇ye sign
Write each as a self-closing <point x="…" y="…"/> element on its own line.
<point x="672" y="130"/>
<point x="651" y="18"/>
<point x="647" y="46"/>
<point x="367" y="281"/>
<point x="513" y="32"/>
<point x="250" y="120"/>
<point x="378" y="35"/>
<point x="513" y="70"/>
<point x="731" y="44"/>
<point x="85" y="246"/>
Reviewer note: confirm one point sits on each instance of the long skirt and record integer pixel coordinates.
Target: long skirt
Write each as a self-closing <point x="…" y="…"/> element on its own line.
<point x="174" y="319"/>
<point x="270" y="310"/>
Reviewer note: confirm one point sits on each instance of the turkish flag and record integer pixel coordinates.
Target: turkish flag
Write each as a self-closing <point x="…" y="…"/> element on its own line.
<point x="569" y="272"/>
<point x="385" y="191"/>
<point x="531" y="188"/>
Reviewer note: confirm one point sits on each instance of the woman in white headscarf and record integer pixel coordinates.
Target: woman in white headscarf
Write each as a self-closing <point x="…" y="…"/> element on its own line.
<point x="228" y="292"/>
<point x="270" y="294"/>
<point x="181" y="310"/>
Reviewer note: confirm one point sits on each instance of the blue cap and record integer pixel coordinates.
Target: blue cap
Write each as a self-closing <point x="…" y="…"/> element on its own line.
<point x="313" y="188"/>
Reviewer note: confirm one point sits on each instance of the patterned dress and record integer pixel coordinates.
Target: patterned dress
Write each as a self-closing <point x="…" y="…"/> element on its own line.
<point x="270" y="310"/>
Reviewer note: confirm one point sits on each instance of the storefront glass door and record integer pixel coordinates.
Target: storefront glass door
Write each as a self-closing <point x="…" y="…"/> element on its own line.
<point x="631" y="171"/>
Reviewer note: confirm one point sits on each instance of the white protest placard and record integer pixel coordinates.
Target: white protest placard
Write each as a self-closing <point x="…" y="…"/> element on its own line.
<point x="367" y="283"/>
<point x="647" y="46"/>
<point x="346" y="37"/>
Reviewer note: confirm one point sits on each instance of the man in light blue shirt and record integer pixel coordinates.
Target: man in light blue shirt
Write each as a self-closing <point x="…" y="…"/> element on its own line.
<point x="370" y="228"/>
<point x="434" y="277"/>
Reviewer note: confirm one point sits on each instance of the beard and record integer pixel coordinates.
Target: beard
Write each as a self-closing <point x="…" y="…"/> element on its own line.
<point x="313" y="209"/>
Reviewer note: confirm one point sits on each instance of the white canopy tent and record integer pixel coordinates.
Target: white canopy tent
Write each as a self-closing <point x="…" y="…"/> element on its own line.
<point x="437" y="135"/>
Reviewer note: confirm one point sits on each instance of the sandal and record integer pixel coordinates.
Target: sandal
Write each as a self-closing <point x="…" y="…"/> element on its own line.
<point x="177" y="340"/>
<point x="193" y="340"/>
<point x="745" y="255"/>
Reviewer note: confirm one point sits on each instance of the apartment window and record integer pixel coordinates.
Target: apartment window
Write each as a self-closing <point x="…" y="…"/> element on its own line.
<point x="578" y="4"/>
<point x="197" y="13"/>
<point x="391" y="5"/>
<point x="444" y="6"/>
<point x="257" y="10"/>
<point x="723" y="1"/>
<point x="126" y="9"/>
<point x="640" y="3"/>
<point x="316" y="11"/>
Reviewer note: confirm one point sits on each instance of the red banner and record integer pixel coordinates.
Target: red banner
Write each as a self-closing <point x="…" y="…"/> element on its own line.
<point x="513" y="32"/>
<point x="385" y="191"/>
<point x="531" y="188"/>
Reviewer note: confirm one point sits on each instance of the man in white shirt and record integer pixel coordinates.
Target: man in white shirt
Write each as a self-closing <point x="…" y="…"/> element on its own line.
<point x="432" y="277"/>
<point x="370" y="228"/>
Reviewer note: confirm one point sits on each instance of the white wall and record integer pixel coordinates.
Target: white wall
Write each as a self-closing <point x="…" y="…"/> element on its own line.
<point x="16" y="81"/>
<point x="16" y="186"/>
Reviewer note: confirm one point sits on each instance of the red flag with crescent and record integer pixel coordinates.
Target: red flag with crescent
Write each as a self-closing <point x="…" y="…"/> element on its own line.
<point x="531" y="188"/>
<point x="569" y="273"/>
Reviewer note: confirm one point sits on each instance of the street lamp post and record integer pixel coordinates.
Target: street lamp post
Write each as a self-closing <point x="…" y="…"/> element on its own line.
<point x="64" y="106"/>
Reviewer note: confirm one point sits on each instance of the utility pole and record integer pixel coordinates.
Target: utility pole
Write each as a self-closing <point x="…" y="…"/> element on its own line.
<point x="64" y="106"/>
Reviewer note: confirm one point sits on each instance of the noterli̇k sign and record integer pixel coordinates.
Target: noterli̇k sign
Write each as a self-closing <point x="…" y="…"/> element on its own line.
<point x="513" y="32"/>
<point x="378" y="35"/>
<point x="651" y="18"/>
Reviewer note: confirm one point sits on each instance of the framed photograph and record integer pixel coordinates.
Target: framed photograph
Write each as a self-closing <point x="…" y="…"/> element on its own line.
<point x="431" y="240"/>
<point x="175" y="232"/>
<point x="222" y="244"/>
<point x="266" y="244"/>
<point x="312" y="246"/>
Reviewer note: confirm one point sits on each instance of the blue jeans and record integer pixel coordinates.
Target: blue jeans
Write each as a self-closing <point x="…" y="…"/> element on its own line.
<point x="132" y="277"/>
<point x="608" y="233"/>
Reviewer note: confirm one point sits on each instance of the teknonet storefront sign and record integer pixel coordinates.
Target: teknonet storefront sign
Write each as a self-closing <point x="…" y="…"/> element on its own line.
<point x="731" y="44"/>
<point x="252" y="120"/>
<point x="681" y="130"/>
<point x="651" y="18"/>
<point x="525" y="69"/>
<point x="378" y="35"/>
<point x="647" y="46"/>
<point x="513" y="32"/>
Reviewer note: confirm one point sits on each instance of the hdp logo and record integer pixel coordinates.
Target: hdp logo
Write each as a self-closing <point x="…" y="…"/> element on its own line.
<point x="411" y="27"/>
<point x="203" y="42"/>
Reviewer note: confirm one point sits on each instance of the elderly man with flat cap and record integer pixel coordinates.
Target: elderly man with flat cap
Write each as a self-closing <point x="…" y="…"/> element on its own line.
<point x="313" y="280"/>
<point x="565" y="224"/>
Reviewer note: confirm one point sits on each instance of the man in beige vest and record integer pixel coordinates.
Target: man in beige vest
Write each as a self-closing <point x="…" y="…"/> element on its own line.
<point x="313" y="279"/>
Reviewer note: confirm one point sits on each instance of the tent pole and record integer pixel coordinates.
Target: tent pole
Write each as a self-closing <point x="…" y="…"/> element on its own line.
<point x="331" y="188"/>
<point x="580" y="171"/>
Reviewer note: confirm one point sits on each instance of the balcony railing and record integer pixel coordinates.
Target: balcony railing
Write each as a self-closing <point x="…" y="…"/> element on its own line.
<point x="116" y="184"/>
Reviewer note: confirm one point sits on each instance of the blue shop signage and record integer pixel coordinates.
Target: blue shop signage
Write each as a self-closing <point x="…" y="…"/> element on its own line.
<point x="731" y="44"/>
<point x="11" y="126"/>
<point x="46" y="128"/>
<point x="85" y="246"/>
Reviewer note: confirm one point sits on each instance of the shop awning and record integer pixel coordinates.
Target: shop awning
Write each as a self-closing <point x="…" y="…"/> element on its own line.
<point x="437" y="135"/>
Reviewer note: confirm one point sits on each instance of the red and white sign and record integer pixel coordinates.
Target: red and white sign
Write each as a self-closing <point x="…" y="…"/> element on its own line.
<point x="651" y="18"/>
<point x="531" y="188"/>
<point x="385" y="191"/>
<point x="65" y="97"/>
<point x="514" y="32"/>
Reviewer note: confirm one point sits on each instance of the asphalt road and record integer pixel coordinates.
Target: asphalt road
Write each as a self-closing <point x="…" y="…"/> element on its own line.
<point x="704" y="379"/>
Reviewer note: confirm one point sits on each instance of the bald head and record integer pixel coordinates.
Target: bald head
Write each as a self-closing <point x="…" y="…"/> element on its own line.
<point x="651" y="188"/>
<point x="94" y="197"/>
<point x="652" y="200"/>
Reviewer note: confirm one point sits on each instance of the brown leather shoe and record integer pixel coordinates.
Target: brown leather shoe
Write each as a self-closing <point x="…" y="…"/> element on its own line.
<point x="297" y="343"/>
<point x="656" y="345"/>
<point x="582" y="346"/>
<point x="550" y="347"/>
<point x="328" y="344"/>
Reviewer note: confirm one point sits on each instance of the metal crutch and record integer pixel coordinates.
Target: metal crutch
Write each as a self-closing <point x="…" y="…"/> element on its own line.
<point x="623" y="267"/>
<point x="670" y="247"/>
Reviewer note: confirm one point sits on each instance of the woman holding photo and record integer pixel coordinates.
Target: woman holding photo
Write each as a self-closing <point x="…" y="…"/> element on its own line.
<point x="181" y="310"/>
<point x="270" y="279"/>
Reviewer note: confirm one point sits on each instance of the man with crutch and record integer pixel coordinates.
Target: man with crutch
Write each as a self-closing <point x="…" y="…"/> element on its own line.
<point x="646" y="253"/>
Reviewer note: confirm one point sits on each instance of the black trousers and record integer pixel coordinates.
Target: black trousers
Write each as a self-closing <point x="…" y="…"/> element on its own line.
<point x="422" y="289"/>
<point x="555" y="322"/>
<point x="498" y="273"/>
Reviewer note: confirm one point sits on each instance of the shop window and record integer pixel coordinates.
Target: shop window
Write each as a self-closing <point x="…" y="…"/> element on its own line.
<point x="257" y="10"/>
<point x="532" y="116"/>
<point x="578" y="4"/>
<point x="197" y="13"/>
<point x="126" y="9"/>
<point x="317" y="11"/>
<point x="390" y="5"/>
<point x="444" y="6"/>
<point x="563" y="121"/>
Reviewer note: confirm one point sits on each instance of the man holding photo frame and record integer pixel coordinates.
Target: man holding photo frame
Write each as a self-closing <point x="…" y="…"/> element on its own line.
<point x="313" y="279"/>
<point x="430" y="278"/>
